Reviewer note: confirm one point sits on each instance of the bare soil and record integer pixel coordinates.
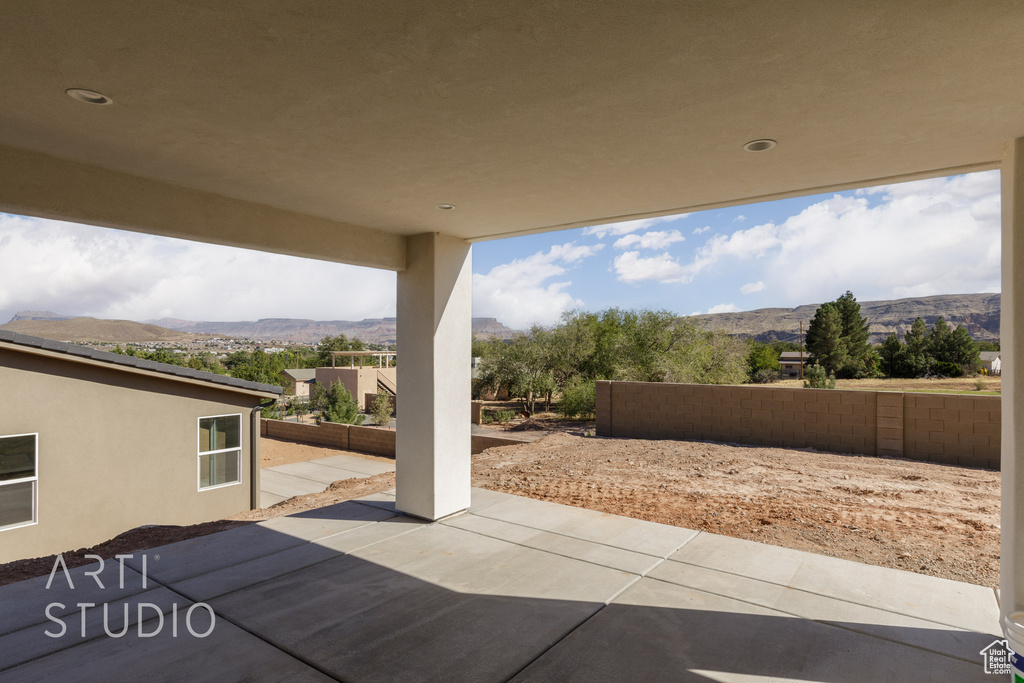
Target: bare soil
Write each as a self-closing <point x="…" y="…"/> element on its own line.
<point x="921" y="517"/>
<point x="950" y="385"/>
<point x="274" y="452"/>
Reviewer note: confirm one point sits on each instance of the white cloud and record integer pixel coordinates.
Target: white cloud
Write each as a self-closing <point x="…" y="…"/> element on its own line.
<point x="650" y="240"/>
<point x="626" y="227"/>
<point x="938" y="236"/>
<point x="743" y="244"/>
<point x="739" y="219"/>
<point x="516" y="294"/>
<point x="85" y="270"/>
<point x="631" y="268"/>
<point x="701" y="231"/>
<point x="723" y="308"/>
<point x="912" y="239"/>
<point x="752" y="287"/>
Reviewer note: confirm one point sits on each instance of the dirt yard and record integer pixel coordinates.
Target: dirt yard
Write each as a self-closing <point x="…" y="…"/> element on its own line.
<point x="920" y="517"/>
<point x="952" y="385"/>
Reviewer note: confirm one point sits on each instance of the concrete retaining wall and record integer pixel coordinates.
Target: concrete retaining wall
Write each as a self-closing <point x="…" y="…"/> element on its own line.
<point x="945" y="428"/>
<point x="372" y="440"/>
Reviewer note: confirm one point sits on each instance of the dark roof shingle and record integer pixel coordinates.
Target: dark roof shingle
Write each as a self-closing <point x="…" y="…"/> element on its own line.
<point x="133" y="362"/>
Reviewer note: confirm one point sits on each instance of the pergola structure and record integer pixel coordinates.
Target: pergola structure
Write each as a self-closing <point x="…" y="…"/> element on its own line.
<point x="396" y="135"/>
<point x="384" y="358"/>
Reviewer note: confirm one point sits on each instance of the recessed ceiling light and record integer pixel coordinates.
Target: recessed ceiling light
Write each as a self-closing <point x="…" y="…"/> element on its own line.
<point x="445" y="207"/>
<point x="762" y="145"/>
<point x="88" y="96"/>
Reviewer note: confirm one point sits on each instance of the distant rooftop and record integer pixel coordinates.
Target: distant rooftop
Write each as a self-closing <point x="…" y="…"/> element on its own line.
<point x="300" y="374"/>
<point x="989" y="355"/>
<point x="84" y="353"/>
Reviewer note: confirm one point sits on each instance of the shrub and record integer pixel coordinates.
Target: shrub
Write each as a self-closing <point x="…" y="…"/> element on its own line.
<point x="816" y="378"/>
<point x="578" y="400"/>
<point x="336" y="405"/>
<point x="503" y="416"/>
<point x="946" y="369"/>
<point x="979" y="384"/>
<point x="765" y="376"/>
<point x="381" y="410"/>
<point x="271" y="411"/>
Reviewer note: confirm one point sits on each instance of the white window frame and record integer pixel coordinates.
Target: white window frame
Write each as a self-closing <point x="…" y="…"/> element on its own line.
<point x="201" y="453"/>
<point x="35" y="484"/>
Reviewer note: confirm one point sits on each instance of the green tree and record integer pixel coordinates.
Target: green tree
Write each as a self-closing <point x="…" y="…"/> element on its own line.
<point x="817" y="378"/>
<point x="825" y="338"/>
<point x="962" y="351"/>
<point x="838" y="338"/>
<point x="762" y="362"/>
<point x="381" y="409"/>
<point x="339" y="343"/>
<point x="859" y="357"/>
<point x="892" y="354"/>
<point x="335" y="404"/>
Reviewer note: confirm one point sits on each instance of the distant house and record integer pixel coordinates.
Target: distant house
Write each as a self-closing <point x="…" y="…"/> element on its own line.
<point x="298" y="381"/>
<point x="93" y="444"/>
<point x="789" y="362"/>
<point x="991" y="361"/>
<point x="362" y="381"/>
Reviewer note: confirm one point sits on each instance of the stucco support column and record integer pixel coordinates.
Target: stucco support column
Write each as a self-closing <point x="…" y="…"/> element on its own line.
<point x="1011" y="340"/>
<point x="434" y="338"/>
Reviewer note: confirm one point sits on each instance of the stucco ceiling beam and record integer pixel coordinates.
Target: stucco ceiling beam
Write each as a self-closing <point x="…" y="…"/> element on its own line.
<point x="34" y="184"/>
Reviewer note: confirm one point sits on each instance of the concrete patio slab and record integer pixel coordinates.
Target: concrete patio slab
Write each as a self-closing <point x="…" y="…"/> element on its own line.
<point x="437" y="604"/>
<point x="227" y="654"/>
<point x="357" y="464"/>
<point x="185" y="559"/>
<point x="317" y="471"/>
<point x="288" y="485"/>
<point x="268" y="499"/>
<point x="512" y="589"/>
<point x="881" y="623"/>
<point x="239" y="576"/>
<point x="309" y="525"/>
<point x="596" y="553"/>
<point x="281" y="482"/>
<point x="658" y="540"/>
<point x="70" y="629"/>
<point x="953" y="603"/>
<point x="658" y="631"/>
<point x="23" y="604"/>
<point x="470" y="563"/>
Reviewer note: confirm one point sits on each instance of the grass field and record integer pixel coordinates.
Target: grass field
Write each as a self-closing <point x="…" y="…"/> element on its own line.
<point x="992" y="386"/>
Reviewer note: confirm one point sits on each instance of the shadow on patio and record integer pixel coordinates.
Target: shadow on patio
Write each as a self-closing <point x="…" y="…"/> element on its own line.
<point x="515" y="589"/>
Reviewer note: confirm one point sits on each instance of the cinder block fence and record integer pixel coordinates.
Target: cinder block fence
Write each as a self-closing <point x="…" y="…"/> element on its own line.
<point x="943" y="428"/>
<point x="371" y="440"/>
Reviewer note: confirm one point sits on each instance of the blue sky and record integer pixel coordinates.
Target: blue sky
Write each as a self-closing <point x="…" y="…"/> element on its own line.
<point x="938" y="236"/>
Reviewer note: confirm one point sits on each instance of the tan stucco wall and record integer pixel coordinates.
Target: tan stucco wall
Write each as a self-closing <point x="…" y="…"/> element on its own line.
<point x="950" y="429"/>
<point x="117" y="450"/>
<point x="358" y="381"/>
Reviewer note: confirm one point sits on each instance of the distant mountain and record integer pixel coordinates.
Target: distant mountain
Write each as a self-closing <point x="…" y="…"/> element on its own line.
<point x="372" y="331"/>
<point x="63" y="328"/>
<point x="979" y="313"/>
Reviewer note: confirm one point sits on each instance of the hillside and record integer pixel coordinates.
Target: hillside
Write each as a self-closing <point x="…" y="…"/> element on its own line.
<point x="67" y="328"/>
<point x="95" y="330"/>
<point x="979" y="313"/>
<point x="370" y="330"/>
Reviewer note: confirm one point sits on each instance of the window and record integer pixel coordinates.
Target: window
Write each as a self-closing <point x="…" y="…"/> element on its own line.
<point x="220" y="451"/>
<point x="18" y="479"/>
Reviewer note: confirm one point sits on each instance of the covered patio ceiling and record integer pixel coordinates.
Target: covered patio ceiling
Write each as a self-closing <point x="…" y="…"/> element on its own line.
<point x="347" y="123"/>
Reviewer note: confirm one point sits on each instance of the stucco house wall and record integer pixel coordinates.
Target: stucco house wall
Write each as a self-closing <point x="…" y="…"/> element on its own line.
<point x="117" y="449"/>
<point x="358" y="381"/>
